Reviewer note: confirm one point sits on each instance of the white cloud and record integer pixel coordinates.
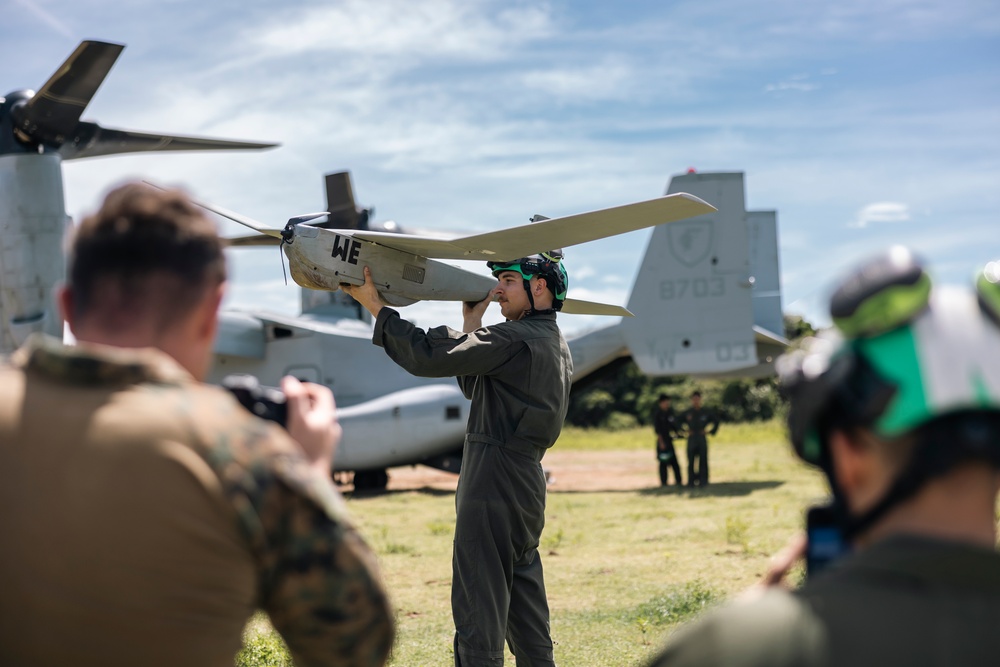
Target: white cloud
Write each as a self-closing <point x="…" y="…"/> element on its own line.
<point x="881" y="212"/>
<point x="417" y="30"/>
<point x="605" y="80"/>
<point x="46" y="17"/>
<point x="795" y="86"/>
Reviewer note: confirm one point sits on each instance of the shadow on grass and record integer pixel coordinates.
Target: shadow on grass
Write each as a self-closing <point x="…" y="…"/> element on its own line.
<point x="720" y="489"/>
<point x="348" y="492"/>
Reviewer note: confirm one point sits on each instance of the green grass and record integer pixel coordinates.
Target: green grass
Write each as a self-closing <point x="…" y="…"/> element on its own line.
<point x="590" y="440"/>
<point x="622" y="568"/>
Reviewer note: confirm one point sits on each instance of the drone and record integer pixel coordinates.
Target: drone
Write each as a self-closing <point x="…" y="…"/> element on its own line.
<point x="406" y="268"/>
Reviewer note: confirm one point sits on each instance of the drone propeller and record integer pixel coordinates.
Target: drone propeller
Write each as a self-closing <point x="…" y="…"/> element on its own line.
<point x="288" y="234"/>
<point x="51" y="118"/>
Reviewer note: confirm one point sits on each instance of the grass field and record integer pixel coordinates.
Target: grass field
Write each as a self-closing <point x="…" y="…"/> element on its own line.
<point x="622" y="568"/>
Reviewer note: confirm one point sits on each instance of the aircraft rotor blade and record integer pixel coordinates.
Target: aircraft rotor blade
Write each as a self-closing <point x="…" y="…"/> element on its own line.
<point x="536" y="237"/>
<point x="92" y="140"/>
<point x="52" y="115"/>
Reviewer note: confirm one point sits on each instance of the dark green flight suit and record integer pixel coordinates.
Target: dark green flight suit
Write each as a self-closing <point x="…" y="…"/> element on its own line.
<point x="904" y="601"/>
<point x="697" y="422"/>
<point x="665" y="424"/>
<point x="517" y="375"/>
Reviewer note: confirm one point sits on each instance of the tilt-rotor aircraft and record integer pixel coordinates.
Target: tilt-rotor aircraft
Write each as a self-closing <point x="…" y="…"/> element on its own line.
<point x="38" y="131"/>
<point x="706" y="301"/>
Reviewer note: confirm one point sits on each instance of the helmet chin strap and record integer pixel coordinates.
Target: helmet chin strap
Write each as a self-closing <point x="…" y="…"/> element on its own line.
<point x="531" y="301"/>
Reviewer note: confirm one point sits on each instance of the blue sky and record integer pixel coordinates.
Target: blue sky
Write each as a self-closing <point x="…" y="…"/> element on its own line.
<point x="863" y="124"/>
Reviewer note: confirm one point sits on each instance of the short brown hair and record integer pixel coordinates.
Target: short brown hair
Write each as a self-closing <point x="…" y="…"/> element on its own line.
<point x="144" y="253"/>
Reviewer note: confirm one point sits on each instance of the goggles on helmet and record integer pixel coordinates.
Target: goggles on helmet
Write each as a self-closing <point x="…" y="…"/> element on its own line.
<point x="546" y="265"/>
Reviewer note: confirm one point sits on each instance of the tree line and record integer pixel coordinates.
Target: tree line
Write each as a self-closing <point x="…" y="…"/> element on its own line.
<point x="619" y="396"/>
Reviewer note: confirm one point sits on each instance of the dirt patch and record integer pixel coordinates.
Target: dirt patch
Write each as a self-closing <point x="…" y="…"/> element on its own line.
<point x="567" y="471"/>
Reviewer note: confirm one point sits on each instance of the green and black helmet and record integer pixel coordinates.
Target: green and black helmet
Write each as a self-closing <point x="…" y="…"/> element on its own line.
<point x="905" y="358"/>
<point x="546" y="265"/>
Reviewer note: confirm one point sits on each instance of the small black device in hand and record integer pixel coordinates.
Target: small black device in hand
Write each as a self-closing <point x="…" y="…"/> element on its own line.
<point x="825" y="542"/>
<point x="265" y="402"/>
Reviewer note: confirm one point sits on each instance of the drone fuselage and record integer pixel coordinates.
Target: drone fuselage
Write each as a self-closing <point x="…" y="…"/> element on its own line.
<point x="324" y="259"/>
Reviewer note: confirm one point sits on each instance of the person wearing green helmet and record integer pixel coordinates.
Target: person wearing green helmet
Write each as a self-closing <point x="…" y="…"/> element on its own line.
<point x="517" y="375"/>
<point x="900" y="409"/>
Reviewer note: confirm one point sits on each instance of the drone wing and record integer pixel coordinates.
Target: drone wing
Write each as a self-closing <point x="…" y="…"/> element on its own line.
<point x="580" y="307"/>
<point x="235" y="217"/>
<point x="548" y="234"/>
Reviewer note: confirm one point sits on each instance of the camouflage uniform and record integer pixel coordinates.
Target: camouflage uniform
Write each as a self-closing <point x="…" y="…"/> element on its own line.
<point x="146" y="515"/>
<point x="697" y="422"/>
<point x="905" y="601"/>
<point x="517" y="375"/>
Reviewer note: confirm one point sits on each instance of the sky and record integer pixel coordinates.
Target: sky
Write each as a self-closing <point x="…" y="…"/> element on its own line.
<point x="862" y="123"/>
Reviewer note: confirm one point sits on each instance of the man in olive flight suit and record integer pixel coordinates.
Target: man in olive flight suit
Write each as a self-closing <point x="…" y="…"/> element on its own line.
<point x="698" y="422"/>
<point x="901" y="412"/>
<point x="666" y="426"/>
<point x="146" y="515"/>
<point x="517" y="374"/>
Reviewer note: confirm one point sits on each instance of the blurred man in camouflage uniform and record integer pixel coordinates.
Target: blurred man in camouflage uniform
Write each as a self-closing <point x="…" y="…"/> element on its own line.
<point x="901" y="412"/>
<point x="146" y="515"/>
<point x="698" y="422"/>
<point x="517" y="374"/>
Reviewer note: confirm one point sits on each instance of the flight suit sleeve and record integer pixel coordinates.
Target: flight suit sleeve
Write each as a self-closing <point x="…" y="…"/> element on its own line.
<point x="441" y="352"/>
<point x="466" y="383"/>
<point x="318" y="580"/>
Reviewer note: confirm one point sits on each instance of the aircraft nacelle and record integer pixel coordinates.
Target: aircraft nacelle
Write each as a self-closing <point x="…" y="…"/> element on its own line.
<point x="386" y="431"/>
<point x="323" y="259"/>
<point x="33" y="222"/>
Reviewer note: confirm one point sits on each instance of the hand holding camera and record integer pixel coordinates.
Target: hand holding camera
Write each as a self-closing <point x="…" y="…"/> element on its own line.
<point x="305" y="409"/>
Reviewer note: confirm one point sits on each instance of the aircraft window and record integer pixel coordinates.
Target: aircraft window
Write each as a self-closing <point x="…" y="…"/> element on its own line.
<point x="452" y="412"/>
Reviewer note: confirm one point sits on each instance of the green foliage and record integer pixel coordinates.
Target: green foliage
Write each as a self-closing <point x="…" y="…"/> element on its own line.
<point x="610" y="396"/>
<point x="262" y="646"/>
<point x="622" y="398"/>
<point x="676" y="605"/>
<point x="441" y="527"/>
<point x="620" y="421"/>
<point x="797" y="327"/>
<point x="737" y="531"/>
<point x="553" y="540"/>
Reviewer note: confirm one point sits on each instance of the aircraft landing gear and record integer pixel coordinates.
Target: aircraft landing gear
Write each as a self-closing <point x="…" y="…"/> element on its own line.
<point x="371" y="480"/>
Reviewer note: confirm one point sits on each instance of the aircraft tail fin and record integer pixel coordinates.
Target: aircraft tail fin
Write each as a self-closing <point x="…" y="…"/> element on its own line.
<point x="693" y="297"/>
<point x="762" y="237"/>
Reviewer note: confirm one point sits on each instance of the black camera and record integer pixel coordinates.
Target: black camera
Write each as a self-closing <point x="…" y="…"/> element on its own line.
<point x="266" y="402"/>
<point x="825" y="541"/>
